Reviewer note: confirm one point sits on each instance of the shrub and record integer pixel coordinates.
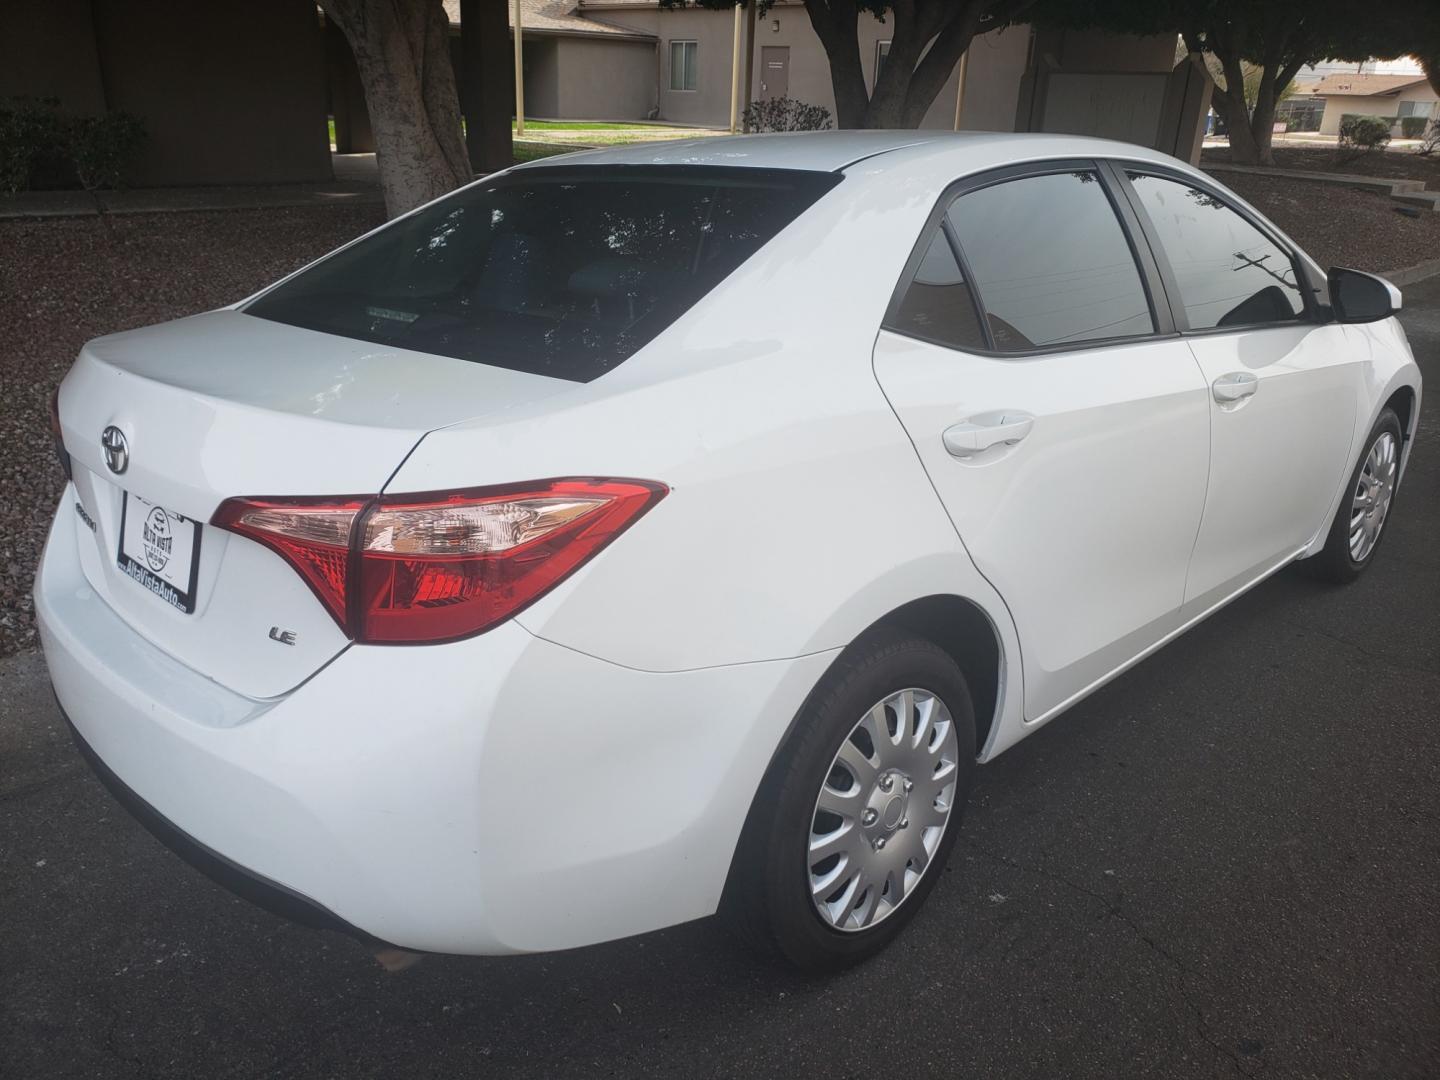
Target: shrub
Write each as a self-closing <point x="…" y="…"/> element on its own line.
<point x="1361" y="135"/>
<point x="1412" y="127"/>
<point x="786" y="114"/>
<point x="102" y="147"/>
<point x="30" y="141"/>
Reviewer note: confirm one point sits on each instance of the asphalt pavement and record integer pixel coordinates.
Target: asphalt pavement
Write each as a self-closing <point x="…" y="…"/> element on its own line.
<point x="1225" y="863"/>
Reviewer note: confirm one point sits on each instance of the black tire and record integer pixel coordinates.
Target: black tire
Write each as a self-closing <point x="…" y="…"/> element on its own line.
<point x="767" y="899"/>
<point x="1334" y="562"/>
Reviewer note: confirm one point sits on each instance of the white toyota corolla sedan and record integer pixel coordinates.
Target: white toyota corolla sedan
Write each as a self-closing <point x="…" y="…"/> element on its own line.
<point x="659" y="531"/>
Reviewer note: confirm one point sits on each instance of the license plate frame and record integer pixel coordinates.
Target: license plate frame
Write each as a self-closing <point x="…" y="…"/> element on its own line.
<point x="155" y="557"/>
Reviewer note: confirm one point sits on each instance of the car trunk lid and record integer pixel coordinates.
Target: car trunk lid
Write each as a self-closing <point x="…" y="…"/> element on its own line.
<point x="222" y="405"/>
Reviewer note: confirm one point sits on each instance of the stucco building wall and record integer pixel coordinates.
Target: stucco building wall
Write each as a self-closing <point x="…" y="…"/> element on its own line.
<point x="598" y="79"/>
<point x="1339" y="105"/>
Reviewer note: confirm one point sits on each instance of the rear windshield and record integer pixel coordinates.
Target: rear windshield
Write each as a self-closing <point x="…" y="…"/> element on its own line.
<point x="554" y="271"/>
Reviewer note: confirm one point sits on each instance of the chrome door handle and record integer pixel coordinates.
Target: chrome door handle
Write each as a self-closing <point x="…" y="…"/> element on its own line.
<point x="980" y="433"/>
<point x="1234" y="385"/>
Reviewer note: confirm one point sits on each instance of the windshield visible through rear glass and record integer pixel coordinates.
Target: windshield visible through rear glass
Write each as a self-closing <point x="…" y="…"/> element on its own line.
<point x="553" y="271"/>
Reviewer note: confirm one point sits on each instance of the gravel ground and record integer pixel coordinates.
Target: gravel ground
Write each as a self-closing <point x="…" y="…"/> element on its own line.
<point x="65" y="281"/>
<point x="1394" y="164"/>
<point x="1341" y="226"/>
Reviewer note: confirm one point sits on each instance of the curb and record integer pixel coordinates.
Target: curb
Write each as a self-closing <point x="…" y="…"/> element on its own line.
<point x="1409" y="275"/>
<point x="1410" y="192"/>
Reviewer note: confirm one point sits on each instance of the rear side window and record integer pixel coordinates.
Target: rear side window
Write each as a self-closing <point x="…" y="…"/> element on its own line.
<point x="1229" y="273"/>
<point x="937" y="305"/>
<point x="1050" y="262"/>
<point x="550" y="271"/>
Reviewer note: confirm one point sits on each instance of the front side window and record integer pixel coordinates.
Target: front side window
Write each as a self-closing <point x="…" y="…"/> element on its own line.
<point x="1050" y="262"/>
<point x="937" y="305"/>
<point x="552" y="271"/>
<point x="1229" y="273"/>
<point x="682" y="64"/>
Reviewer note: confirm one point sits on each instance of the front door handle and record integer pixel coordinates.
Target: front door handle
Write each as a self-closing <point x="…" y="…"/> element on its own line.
<point x="980" y="433"/>
<point x="1234" y="385"/>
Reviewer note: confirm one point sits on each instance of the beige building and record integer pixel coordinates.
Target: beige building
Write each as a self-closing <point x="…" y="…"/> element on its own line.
<point x="1372" y="95"/>
<point x="237" y="91"/>
<point x="1012" y="79"/>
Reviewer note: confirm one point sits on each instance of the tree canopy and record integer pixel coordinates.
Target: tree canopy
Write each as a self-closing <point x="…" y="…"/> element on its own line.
<point x="1277" y="37"/>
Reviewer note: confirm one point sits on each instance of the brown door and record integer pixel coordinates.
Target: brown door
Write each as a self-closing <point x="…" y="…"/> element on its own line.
<point x="774" y="71"/>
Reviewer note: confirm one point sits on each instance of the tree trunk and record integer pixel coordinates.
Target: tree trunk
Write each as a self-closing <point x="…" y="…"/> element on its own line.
<point x="1230" y="105"/>
<point x="1231" y="108"/>
<point x="913" y="76"/>
<point x="402" y="49"/>
<point x="1262" y="118"/>
<point x="837" y="25"/>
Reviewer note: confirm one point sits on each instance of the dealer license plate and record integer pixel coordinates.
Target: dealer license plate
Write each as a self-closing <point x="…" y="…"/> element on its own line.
<point x="160" y="550"/>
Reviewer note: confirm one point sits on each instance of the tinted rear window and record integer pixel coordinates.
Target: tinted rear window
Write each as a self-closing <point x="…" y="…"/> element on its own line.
<point x="562" y="272"/>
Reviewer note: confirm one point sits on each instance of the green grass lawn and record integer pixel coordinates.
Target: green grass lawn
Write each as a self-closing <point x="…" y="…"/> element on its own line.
<point x="580" y="125"/>
<point x="528" y="151"/>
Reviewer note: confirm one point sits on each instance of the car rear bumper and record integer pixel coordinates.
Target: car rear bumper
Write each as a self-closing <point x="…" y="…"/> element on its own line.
<point x="501" y="794"/>
<point x="240" y="880"/>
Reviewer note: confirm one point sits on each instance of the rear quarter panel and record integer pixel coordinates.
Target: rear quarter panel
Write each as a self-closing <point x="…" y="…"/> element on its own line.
<point x="798" y="512"/>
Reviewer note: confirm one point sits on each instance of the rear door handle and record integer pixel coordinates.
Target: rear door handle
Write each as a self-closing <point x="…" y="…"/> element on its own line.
<point x="980" y="433"/>
<point x="1234" y="385"/>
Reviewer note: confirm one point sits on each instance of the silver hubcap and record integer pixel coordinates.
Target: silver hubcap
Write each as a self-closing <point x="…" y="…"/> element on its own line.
<point x="1370" y="501"/>
<point x="882" y="809"/>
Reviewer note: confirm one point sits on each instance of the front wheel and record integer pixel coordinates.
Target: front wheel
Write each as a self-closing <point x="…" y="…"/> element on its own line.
<point x="855" y="822"/>
<point x="1359" y="522"/>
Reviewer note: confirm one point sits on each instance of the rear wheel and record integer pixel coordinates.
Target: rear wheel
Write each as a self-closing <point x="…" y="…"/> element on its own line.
<point x="856" y="821"/>
<point x="1360" y="521"/>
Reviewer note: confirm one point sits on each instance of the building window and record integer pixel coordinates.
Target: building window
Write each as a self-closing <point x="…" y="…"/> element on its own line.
<point x="1416" y="108"/>
<point x="682" y="64"/>
<point x="882" y="53"/>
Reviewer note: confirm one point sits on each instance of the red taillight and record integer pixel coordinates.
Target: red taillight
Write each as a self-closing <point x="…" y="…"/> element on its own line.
<point x="313" y="535"/>
<point x="440" y="566"/>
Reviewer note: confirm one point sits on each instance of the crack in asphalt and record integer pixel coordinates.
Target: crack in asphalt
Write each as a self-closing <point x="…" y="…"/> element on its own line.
<point x="112" y="1046"/>
<point x="1113" y="909"/>
<point x="72" y="771"/>
<point x="1379" y="658"/>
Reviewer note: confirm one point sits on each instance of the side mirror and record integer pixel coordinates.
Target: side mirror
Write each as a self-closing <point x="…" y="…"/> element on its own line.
<point x="1358" y="297"/>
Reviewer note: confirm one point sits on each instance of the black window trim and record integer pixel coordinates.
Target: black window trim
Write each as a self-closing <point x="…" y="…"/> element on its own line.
<point x="1150" y="278"/>
<point x="1314" y="312"/>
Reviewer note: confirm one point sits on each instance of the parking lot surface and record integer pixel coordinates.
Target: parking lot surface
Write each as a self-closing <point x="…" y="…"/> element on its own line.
<point x="1225" y="863"/>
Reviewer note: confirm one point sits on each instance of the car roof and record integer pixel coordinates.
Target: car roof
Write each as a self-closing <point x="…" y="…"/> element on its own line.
<point x="831" y="151"/>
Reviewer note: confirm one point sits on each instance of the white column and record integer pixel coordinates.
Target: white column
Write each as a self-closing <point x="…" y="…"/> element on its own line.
<point x="735" y="74"/>
<point x="519" y="74"/>
<point x="960" y="87"/>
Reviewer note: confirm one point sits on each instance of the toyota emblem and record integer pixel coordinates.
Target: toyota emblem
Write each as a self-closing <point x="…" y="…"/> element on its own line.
<point x="117" y="450"/>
